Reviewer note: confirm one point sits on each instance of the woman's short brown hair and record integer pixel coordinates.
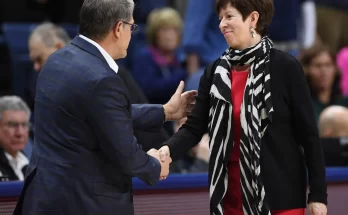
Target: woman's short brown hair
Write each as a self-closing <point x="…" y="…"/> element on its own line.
<point x="162" y="17"/>
<point x="246" y="7"/>
<point x="309" y="54"/>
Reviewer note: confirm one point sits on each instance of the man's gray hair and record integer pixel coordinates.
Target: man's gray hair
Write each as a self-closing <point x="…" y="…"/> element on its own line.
<point x="13" y="103"/>
<point x="99" y="17"/>
<point x="49" y="33"/>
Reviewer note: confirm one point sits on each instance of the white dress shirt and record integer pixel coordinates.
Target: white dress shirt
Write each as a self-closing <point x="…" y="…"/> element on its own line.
<point x="106" y="55"/>
<point x="17" y="163"/>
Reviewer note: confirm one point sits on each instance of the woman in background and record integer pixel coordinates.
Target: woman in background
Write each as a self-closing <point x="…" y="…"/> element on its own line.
<point x="323" y="78"/>
<point x="157" y="69"/>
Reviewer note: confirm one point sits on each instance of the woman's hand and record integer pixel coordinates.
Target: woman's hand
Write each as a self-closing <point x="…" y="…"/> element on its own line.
<point x="317" y="208"/>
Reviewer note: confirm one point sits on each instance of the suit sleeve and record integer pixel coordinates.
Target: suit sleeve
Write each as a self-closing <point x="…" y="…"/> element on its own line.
<point x="147" y="116"/>
<point x="111" y="119"/>
<point x="307" y="133"/>
<point x="190" y="134"/>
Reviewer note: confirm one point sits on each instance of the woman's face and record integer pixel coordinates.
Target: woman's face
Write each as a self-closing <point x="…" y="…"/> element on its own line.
<point x="235" y="30"/>
<point x="167" y="39"/>
<point x="322" y="71"/>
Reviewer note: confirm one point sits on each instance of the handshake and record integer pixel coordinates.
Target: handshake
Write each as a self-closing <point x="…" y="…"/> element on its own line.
<point x="163" y="156"/>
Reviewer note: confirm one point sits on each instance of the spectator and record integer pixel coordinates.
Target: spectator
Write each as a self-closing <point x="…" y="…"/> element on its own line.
<point x="43" y="41"/>
<point x="333" y="122"/>
<point x="156" y="68"/>
<point x="323" y="78"/>
<point x="333" y="130"/>
<point x="14" y="131"/>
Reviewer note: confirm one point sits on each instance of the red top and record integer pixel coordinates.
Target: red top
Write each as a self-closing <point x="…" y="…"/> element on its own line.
<point x="233" y="197"/>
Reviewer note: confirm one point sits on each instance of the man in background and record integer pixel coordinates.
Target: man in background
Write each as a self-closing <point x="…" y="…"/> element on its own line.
<point x="333" y="130"/>
<point x="333" y="122"/>
<point x="14" y="131"/>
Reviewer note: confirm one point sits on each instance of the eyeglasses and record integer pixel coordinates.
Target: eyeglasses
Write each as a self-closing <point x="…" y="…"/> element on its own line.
<point x="16" y="125"/>
<point x="133" y="27"/>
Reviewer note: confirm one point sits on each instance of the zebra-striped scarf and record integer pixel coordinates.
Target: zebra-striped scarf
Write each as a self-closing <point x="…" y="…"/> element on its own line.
<point x="256" y="112"/>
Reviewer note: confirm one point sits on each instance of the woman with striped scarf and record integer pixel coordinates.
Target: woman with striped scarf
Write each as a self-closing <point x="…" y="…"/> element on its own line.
<point x="255" y="104"/>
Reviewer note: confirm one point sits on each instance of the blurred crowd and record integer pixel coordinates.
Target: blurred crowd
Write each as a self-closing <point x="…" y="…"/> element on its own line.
<point x="175" y="40"/>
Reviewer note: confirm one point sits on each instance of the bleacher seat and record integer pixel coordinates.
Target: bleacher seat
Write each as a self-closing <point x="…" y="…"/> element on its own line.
<point x="71" y="29"/>
<point x="16" y="37"/>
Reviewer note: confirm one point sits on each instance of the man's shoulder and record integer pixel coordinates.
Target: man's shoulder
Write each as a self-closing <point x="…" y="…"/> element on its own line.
<point x="78" y="65"/>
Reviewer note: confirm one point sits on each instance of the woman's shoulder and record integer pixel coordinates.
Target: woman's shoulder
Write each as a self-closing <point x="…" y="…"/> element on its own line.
<point x="285" y="65"/>
<point x="210" y="68"/>
<point x="282" y="57"/>
<point x="209" y="71"/>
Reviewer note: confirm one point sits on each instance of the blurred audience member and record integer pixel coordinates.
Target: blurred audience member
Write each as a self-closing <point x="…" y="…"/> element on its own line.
<point x="333" y="130"/>
<point x="202" y="40"/>
<point x="296" y="35"/>
<point x="156" y="67"/>
<point x="43" y="41"/>
<point x="14" y="131"/>
<point x="333" y="122"/>
<point x="332" y="18"/>
<point x="342" y="63"/>
<point x="323" y="78"/>
<point x="196" y="160"/>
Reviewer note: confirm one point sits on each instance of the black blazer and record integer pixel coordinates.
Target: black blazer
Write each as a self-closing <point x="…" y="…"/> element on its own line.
<point x="291" y="143"/>
<point x="8" y="173"/>
<point x="85" y="154"/>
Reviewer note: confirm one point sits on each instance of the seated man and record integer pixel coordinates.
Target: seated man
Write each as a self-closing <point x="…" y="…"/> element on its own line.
<point x="14" y="131"/>
<point x="333" y="130"/>
<point x="333" y="122"/>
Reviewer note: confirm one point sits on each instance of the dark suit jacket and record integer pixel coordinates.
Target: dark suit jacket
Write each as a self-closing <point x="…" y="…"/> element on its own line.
<point x="84" y="154"/>
<point x="291" y="142"/>
<point x="6" y="169"/>
<point x="151" y="137"/>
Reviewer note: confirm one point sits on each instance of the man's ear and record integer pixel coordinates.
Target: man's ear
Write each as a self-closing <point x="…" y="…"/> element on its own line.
<point x="118" y="29"/>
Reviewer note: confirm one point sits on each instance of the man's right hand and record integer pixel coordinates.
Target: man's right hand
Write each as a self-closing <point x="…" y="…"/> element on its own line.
<point x="164" y="163"/>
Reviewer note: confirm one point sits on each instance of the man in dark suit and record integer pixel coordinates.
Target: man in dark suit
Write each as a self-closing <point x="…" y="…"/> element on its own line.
<point x="85" y="155"/>
<point x="47" y="38"/>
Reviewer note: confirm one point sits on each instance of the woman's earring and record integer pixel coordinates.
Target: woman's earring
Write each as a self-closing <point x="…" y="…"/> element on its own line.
<point x="252" y="32"/>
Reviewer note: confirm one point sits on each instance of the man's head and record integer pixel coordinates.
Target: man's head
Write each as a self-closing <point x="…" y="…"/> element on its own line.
<point x="14" y="124"/>
<point x="108" y="22"/>
<point x="43" y="41"/>
<point x="333" y="122"/>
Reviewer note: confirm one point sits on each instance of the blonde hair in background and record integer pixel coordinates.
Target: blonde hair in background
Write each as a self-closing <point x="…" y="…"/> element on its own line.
<point x="162" y="17"/>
